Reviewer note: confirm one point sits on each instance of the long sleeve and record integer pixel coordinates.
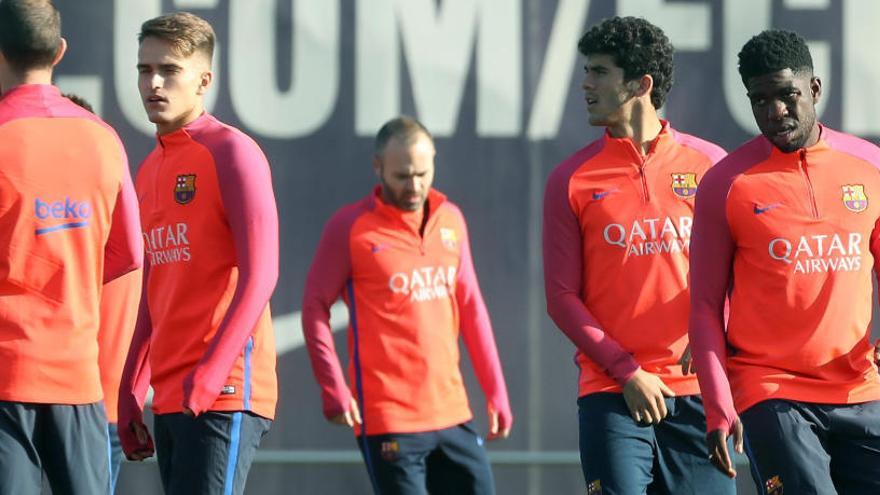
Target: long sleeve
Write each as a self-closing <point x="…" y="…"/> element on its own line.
<point x="563" y="284"/>
<point x="120" y="300"/>
<point x="135" y="379"/>
<point x="124" y="249"/>
<point x="326" y="280"/>
<point x="476" y="331"/>
<point x="249" y="202"/>
<point x="711" y="263"/>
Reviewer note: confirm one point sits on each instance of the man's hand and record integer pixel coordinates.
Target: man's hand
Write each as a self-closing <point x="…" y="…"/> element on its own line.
<point x="687" y="362"/>
<point x="134" y="437"/>
<point x="144" y="447"/>
<point x="718" y="453"/>
<point x="348" y="418"/>
<point x="644" y="395"/>
<point x="499" y="425"/>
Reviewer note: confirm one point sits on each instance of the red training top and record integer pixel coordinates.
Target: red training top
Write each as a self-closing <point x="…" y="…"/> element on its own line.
<point x="798" y="233"/>
<point x="204" y="331"/>
<point x="68" y="224"/>
<point x="617" y="227"/>
<point x="408" y="295"/>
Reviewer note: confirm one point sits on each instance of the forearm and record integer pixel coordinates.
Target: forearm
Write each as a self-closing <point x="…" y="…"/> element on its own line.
<point x="318" y="334"/>
<point x="579" y="325"/>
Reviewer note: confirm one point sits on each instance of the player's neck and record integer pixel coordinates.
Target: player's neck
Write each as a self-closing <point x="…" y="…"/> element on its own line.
<point x="183" y="121"/>
<point x="641" y="127"/>
<point x="10" y="80"/>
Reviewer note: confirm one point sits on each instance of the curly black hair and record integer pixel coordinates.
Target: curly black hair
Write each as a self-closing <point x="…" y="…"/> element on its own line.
<point x="772" y="51"/>
<point x="638" y="47"/>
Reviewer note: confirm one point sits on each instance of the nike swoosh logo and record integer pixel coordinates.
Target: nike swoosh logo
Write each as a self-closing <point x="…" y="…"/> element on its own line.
<point x="597" y="195"/>
<point x="759" y="210"/>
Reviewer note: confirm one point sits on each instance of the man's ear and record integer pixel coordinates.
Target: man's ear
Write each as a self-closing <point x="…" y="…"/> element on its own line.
<point x="62" y="49"/>
<point x="644" y="86"/>
<point x="207" y="78"/>
<point x="816" y="89"/>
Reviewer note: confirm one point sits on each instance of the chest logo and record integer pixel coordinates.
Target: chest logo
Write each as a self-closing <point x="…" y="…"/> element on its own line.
<point x="600" y="195"/>
<point x="684" y="185"/>
<point x="759" y="210"/>
<point x="448" y="238"/>
<point x="185" y="188"/>
<point x="854" y="197"/>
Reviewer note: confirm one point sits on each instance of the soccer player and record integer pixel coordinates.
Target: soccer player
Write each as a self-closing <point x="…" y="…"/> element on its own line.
<point x="787" y="224"/>
<point x="68" y="224"/>
<point x="617" y="223"/>
<point x="204" y="332"/>
<point x="400" y="258"/>
<point x="118" y="312"/>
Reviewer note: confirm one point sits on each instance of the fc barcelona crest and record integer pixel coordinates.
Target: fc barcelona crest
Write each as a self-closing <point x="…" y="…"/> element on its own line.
<point x="390" y="450"/>
<point x="854" y="197"/>
<point x="448" y="238"/>
<point x="185" y="188"/>
<point x="773" y="486"/>
<point x="684" y="185"/>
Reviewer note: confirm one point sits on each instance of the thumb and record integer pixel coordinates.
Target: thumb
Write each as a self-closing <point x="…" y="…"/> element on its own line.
<point x="738" y="439"/>
<point x="355" y="412"/>
<point x="141" y="433"/>
<point x="666" y="390"/>
<point x="493" y="421"/>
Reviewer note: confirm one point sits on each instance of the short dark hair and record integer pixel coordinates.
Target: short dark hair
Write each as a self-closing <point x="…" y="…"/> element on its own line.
<point x="638" y="47"/>
<point x="403" y="128"/>
<point x="187" y="33"/>
<point x="30" y="33"/>
<point x="772" y="51"/>
<point x="79" y="100"/>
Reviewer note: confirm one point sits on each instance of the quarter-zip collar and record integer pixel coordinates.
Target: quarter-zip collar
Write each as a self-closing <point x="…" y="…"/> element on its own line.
<point x="794" y="158"/>
<point x="184" y="134"/>
<point x="626" y="146"/>
<point x="802" y="159"/>
<point x="411" y="219"/>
